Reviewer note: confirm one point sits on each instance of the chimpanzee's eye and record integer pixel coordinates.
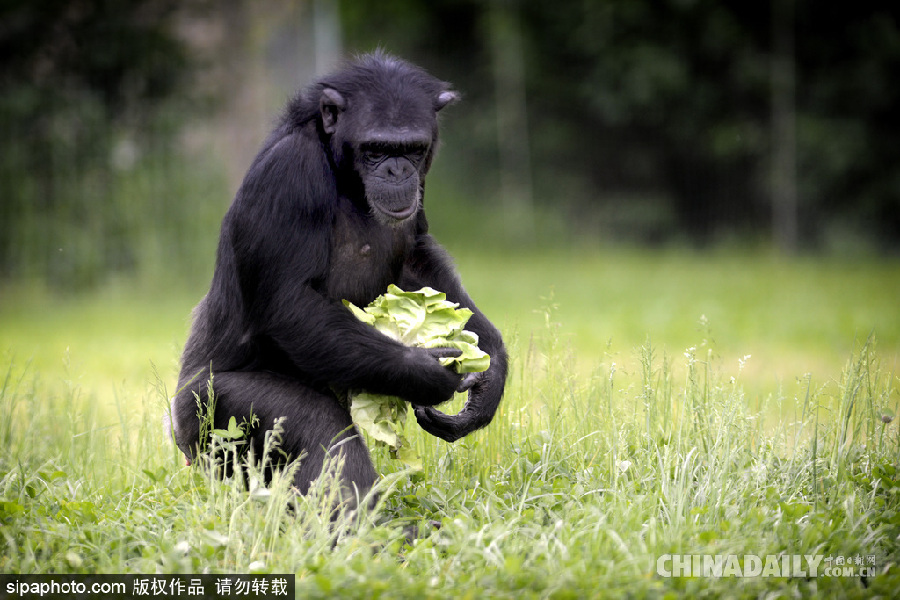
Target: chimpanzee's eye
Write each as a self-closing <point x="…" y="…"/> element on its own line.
<point x="416" y="153"/>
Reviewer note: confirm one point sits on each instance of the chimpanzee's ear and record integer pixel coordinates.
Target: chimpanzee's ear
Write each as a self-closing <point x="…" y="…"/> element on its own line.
<point x="330" y="104"/>
<point x="445" y="98"/>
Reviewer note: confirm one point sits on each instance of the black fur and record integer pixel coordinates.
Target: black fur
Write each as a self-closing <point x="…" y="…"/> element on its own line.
<point x="330" y="209"/>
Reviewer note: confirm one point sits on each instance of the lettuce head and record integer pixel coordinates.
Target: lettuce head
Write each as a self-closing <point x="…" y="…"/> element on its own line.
<point x="426" y="319"/>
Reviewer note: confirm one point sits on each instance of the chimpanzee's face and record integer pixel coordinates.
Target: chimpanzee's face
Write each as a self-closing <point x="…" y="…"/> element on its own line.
<point x="389" y="144"/>
<point x="391" y="165"/>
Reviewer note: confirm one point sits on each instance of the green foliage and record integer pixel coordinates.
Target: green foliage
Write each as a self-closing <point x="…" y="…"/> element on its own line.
<point x="426" y="319"/>
<point x="91" y="113"/>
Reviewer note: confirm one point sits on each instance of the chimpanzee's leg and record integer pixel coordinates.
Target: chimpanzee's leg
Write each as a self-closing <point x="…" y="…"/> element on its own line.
<point x="314" y="423"/>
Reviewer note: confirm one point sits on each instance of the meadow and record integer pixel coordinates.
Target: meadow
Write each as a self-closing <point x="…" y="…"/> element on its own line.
<point x="660" y="404"/>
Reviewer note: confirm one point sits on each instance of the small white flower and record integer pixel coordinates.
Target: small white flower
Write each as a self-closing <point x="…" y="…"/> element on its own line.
<point x="257" y="566"/>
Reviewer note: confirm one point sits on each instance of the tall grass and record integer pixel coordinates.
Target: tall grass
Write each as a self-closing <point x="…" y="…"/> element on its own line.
<point x="575" y="489"/>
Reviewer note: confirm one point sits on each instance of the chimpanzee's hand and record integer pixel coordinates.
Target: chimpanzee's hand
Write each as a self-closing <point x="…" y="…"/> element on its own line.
<point x="452" y="427"/>
<point x="447" y="427"/>
<point x="465" y="381"/>
<point x="439" y="353"/>
<point x="485" y="391"/>
<point x="433" y="382"/>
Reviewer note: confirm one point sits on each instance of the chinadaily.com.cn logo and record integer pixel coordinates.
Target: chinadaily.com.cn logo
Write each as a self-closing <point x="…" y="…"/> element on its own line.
<point x="772" y="565"/>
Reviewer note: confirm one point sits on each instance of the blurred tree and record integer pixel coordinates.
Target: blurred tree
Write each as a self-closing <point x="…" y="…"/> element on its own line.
<point x="78" y="79"/>
<point x="651" y="119"/>
<point x="637" y="120"/>
<point x="672" y="100"/>
<point x="326" y="34"/>
<point x="511" y="113"/>
<point x="784" y="127"/>
<point x="848" y="126"/>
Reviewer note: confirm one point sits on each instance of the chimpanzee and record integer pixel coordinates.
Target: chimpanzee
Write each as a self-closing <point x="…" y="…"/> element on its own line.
<point x="332" y="209"/>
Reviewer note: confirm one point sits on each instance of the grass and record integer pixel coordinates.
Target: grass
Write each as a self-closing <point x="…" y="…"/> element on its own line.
<point x="652" y="445"/>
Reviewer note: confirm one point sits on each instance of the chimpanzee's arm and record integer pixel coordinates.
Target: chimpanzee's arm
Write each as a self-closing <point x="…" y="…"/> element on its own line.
<point x="429" y="265"/>
<point x="323" y="339"/>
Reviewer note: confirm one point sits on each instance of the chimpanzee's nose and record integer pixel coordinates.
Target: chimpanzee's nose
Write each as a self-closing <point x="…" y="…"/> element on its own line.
<point x="398" y="168"/>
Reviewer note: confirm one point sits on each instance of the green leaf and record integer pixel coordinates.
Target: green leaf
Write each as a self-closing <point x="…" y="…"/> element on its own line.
<point x="378" y="415"/>
<point x="10" y="509"/>
<point x="408" y="456"/>
<point x="234" y="432"/>
<point x="360" y="314"/>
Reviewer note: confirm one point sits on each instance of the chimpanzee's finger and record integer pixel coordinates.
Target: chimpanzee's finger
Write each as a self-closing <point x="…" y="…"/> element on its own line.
<point x="468" y="381"/>
<point x="443" y="352"/>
